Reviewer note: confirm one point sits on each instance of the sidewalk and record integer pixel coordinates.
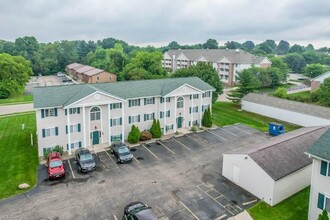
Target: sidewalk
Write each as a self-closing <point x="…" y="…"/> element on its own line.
<point x="10" y="109"/>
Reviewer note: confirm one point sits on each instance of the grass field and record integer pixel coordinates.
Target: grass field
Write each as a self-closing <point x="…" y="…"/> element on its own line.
<point x="227" y="113"/>
<point x="293" y="208"/>
<point x="19" y="160"/>
<point x="16" y="99"/>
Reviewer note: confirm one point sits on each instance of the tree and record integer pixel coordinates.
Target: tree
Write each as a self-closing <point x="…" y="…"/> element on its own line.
<point x="206" y="73"/>
<point x="296" y="62"/>
<point x="15" y="72"/>
<point x="323" y="215"/>
<point x="314" y="70"/>
<point x="248" y="45"/>
<point x="312" y="57"/>
<point x="211" y="44"/>
<point x="279" y="63"/>
<point x="134" y="135"/>
<point x="247" y="83"/>
<point x="265" y="47"/>
<point x="232" y="45"/>
<point x="155" y="129"/>
<point x="296" y="49"/>
<point x="323" y="93"/>
<point x="271" y="44"/>
<point x="207" y="118"/>
<point x="309" y="47"/>
<point x="283" y="47"/>
<point x="281" y="93"/>
<point x="173" y="45"/>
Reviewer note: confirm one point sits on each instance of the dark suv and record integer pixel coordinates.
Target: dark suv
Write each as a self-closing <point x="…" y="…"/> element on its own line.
<point x="122" y="153"/>
<point x="138" y="211"/>
<point x="85" y="160"/>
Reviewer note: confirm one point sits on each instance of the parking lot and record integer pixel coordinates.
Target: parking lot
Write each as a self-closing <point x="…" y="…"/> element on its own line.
<point x="179" y="177"/>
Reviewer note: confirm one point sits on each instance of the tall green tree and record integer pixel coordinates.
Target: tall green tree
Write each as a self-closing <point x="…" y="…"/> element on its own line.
<point x="207" y="118"/>
<point x="205" y="72"/>
<point x="314" y="70"/>
<point x="15" y="72"/>
<point x="323" y="215"/>
<point x="211" y="44"/>
<point x="323" y="93"/>
<point x="248" y="45"/>
<point x="296" y="49"/>
<point x="296" y="62"/>
<point x="312" y="57"/>
<point x="232" y="45"/>
<point x="283" y="47"/>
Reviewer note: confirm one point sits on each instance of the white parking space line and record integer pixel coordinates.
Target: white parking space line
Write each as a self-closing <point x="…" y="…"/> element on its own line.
<point x="71" y="169"/>
<point x="136" y="159"/>
<point x="221" y="217"/>
<point x="181" y="144"/>
<point x="112" y="159"/>
<point x="216" y="135"/>
<point x="228" y="132"/>
<point x="149" y="151"/>
<point x="115" y="217"/>
<point x="166" y="147"/>
<point x="189" y="210"/>
<point x="100" y="160"/>
<point x="242" y="130"/>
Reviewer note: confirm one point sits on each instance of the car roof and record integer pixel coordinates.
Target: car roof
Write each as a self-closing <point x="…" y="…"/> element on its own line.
<point x="146" y="214"/>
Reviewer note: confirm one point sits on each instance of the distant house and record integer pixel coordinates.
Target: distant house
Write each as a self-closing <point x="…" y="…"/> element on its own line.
<point x="227" y="62"/>
<point x="320" y="180"/>
<point x="285" y="110"/>
<point x="89" y="74"/>
<point x="275" y="169"/>
<point x="317" y="81"/>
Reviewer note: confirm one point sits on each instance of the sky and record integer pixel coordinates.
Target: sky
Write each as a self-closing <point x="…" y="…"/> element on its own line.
<point x="158" y="22"/>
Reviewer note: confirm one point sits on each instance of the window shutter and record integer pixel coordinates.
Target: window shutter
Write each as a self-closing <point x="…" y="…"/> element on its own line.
<point x="190" y="96"/>
<point x="145" y="117"/>
<point x="67" y="146"/>
<point x="189" y="110"/>
<point x="138" y="118"/>
<point x="139" y="102"/>
<point x="121" y="120"/>
<point x="172" y="127"/>
<point x="79" y="144"/>
<point x="78" y="110"/>
<point x="203" y="95"/>
<point x="56" y="131"/>
<point x="320" y="201"/>
<point x="189" y="123"/>
<point x="169" y="113"/>
<point x="120" y="105"/>
<point x="79" y="128"/>
<point x="110" y="106"/>
<point x="66" y="111"/>
<point x="43" y="133"/>
<point x="197" y="109"/>
<point x="145" y="101"/>
<point x="129" y="119"/>
<point x="324" y="168"/>
<point x="161" y="114"/>
<point x="161" y="99"/>
<point x="66" y="129"/>
<point x="129" y="103"/>
<point x="153" y="115"/>
<point x="153" y="100"/>
<point x="110" y="122"/>
<point x="42" y="113"/>
<point x="55" y="111"/>
<point x="168" y="99"/>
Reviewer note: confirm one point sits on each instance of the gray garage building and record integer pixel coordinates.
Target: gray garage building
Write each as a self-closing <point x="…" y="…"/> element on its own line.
<point x="285" y="110"/>
<point x="275" y="169"/>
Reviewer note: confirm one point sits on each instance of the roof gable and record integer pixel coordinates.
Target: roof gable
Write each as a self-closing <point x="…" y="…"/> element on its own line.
<point x="202" y="59"/>
<point x="223" y="60"/>
<point x="184" y="90"/>
<point x="321" y="148"/>
<point x="182" y="57"/>
<point x="95" y="98"/>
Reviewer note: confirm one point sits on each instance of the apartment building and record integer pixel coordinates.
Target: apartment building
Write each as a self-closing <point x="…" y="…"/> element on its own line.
<point x="320" y="181"/>
<point x="227" y="62"/>
<point x="86" y="115"/>
<point x="89" y="74"/>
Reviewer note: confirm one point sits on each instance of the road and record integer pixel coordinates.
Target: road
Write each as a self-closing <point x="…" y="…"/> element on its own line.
<point x="10" y="109"/>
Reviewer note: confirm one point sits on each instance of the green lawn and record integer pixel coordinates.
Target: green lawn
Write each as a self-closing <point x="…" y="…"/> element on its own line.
<point x="16" y="99"/>
<point x="293" y="208"/>
<point x="19" y="160"/>
<point x="227" y="113"/>
<point x="303" y="95"/>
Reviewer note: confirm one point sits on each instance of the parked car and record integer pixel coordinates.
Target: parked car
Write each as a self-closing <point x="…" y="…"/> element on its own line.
<point x="138" y="211"/>
<point x="122" y="153"/>
<point x="55" y="166"/>
<point x="85" y="160"/>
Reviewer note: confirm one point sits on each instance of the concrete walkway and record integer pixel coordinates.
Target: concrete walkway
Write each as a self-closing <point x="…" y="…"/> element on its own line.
<point x="241" y="216"/>
<point x="10" y="109"/>
<point x="223" y="96"/>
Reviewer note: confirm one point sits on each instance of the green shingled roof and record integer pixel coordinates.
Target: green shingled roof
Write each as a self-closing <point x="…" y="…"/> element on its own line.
<point x="65" y="95"/>
<point x="321" y="148"/>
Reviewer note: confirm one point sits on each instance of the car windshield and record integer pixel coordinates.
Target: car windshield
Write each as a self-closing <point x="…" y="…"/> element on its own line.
<point x="86" y="157"/>
<point x="123" y="151"/>
<point x="55" y="163"/>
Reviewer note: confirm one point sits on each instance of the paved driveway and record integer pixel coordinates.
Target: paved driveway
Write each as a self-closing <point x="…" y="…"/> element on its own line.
<point x="179" y="177"/>
<point x="9" y="109"/>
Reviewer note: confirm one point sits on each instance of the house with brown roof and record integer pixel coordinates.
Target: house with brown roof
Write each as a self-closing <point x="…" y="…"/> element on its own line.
<point x="317" y="81"/>
<point x="227" y="62"/>
<point x="274" y="169"/>
<point x="89" y="74"/>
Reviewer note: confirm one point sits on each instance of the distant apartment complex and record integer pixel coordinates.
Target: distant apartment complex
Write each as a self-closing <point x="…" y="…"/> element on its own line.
<point x="227" y="62"/>
<point x="89" y="74"/>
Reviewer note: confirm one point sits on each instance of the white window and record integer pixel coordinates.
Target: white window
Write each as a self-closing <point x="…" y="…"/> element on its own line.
<point x="169" y="127"/>
<point x="49" y="112"/>
<point x="149" y="101"/>
<point x="135" y="118"/>
<point x="195" y="109"/>
<point x="179" y="102"/>
<point x="149" y="116"/>
<point x="50" y="132"/>
<point x="195" y="96"/>
<point x="204" y="107"/>
<point x="115" y="105"/>
<point x="327" y="204"/>
<point x="95" y="114"/>
<point x="73" y="128"/>
<point x="116" y="121"/>
<point x="74" y="111"/>
<point x="134" y="102"/>
<point x="207" y="94"/>
<point x="75" y="145"/>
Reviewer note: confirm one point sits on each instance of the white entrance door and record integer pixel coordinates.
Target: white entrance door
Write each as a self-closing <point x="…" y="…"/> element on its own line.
<point x="235" y="174"/>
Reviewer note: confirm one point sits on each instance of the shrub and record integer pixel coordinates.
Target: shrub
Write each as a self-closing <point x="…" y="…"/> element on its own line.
<point x="4" y="93"/>
<point x="134" y="135"/>
<point x="323" y="215"/>
<point x="59" y="149"/>
<point x="47" y="152"/>
<point x="281" y="93"/>
<point x="194" y="128"/>
<point x="145" y="135"/>
<point x="155" y="129"/>
<point x="207" y="118"/>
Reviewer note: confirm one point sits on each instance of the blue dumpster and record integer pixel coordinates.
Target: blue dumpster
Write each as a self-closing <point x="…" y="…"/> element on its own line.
<point x="276" y="129"/>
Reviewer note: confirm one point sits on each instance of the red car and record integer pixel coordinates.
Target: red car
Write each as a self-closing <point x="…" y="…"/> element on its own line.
<point x="55" y="166"/>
